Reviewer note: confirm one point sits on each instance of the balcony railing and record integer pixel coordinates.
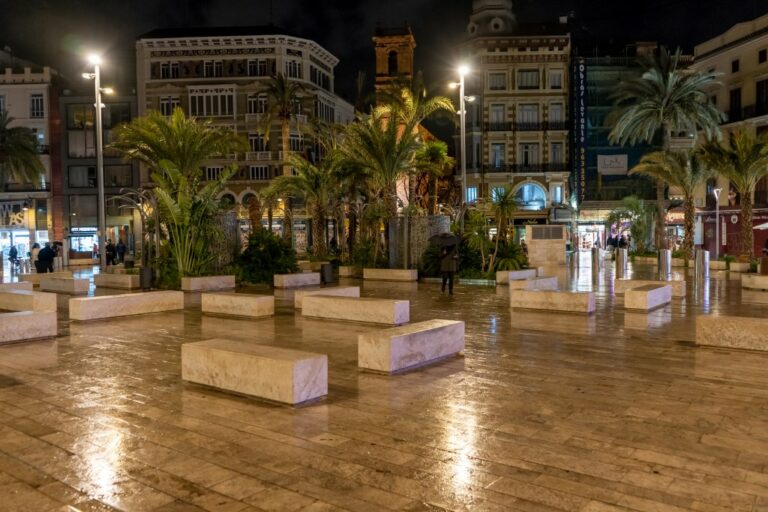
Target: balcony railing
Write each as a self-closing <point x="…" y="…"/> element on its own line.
<point x="528" y="168"/>
<point x="258" y="156"/>
<point x="26" y="187"/>
<point x="525" y="127"/>
<point x="748" y="112"/>
<point x="253" y="118"/>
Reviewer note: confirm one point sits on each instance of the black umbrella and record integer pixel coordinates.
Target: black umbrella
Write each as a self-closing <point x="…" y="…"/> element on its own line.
<point x="445" y="239"/>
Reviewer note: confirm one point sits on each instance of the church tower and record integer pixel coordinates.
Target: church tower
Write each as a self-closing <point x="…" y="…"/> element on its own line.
<point x="394" y="55"/>
<point x="491" y="18"/>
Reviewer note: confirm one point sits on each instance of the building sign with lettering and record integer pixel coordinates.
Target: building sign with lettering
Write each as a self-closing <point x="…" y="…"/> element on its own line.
<point x="12" y="214"/>
<point x="612" y="165"/>
<point x="580" y="128"/>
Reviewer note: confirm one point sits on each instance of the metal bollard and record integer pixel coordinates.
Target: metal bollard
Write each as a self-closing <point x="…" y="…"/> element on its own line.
<point x="702" y="264"/>
<point x="622" y="263"/>
<point x="597" y="260"/>
<point x="665" y="264"/>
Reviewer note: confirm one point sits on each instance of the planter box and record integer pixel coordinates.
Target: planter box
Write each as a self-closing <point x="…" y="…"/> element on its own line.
<point x="121" y="281"/>
<point x="717" y="265"/>
<point x="347" y="271"/>
<point x="391" y="274"/>
<point x="82" y="262"/>
<point x="652" y="260"/>
<point x="201" y="284"/>
<point x="65" y="285"/>
<point x="680" y="262"/>
<point x="739" y="267"/>
<point x="35" y="278"/>
<point x="296" y="280"/>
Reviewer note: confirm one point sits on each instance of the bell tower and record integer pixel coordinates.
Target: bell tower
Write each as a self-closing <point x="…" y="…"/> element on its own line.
<point x="394" y="54"/>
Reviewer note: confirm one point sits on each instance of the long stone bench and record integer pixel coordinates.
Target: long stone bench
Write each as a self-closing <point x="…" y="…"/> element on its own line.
<point x="391" y="274"/>
<point x="621" y="286"/>
<point x="120" y="281"/>
<point x="732" y="332"/>
<point x="113" y="306"/>
<point x="27" y="325"/>
<point x="297" y="280"/>
<point x="378" y="311"/>
<point x="754" y="282"/>
<point x="278" y="374"/>
<point x="207" y="283"/>
<point x="334" y="291"/>
<point x="533" y="283"/>
<point x="23" y="285"/>
<point x="238" y="304"/>
<point x="65" y="285"/>
<point x="553" y="300"/>
<point x="408" y="346"/>
<point x="648" y="297"/>
<point x="36" y="278"/>
<point x="24" y="300"/>
<point x="505" y="276"/>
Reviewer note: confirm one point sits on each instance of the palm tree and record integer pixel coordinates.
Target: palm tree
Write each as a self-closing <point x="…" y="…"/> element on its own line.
<point x="682" y="170"/>
<point x="665" y="97"/>
<point x="432" y="159"/>
<point x="744" y="161"/>
<point x="503" y="205"/>
<point x="638" y="215"/>
<point x="19" y="158"/>
<point x="184" y="142"/>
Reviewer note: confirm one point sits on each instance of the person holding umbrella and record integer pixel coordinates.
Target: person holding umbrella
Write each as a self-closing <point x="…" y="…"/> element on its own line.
<point x="449" y="258"/>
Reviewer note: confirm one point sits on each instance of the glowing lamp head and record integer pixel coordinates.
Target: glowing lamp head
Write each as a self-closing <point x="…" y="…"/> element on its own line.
<point x="94" y="59"/>
<point x="463" y="70"/>
<point x="108" y="90"/>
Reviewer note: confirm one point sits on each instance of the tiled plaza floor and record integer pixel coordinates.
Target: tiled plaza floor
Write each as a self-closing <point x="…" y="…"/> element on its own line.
<point x="544" y="412"/>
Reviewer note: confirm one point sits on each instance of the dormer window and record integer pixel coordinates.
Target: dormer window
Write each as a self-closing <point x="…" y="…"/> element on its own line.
<point x="497" y="25"/>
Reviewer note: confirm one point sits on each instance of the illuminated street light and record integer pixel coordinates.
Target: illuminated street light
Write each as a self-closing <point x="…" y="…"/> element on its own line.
<point x="463" y="70"/>
<point x="717" y="192"/>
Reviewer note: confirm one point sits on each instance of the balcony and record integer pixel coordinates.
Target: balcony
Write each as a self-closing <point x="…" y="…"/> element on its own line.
<point x="526" y="127"/>
<point x="529" y="127"/>
<point x="748" y="112"/>
<point x="499" y="127"/>
<point x="258" y="156"/>
<point x="528" y="168"/>
<point x="253" y="118"/>
<point x="556" y="125"/>
<point x="26" y="187"/>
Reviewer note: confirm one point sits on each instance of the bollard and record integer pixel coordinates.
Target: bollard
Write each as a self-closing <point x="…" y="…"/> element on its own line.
<point x="763" y="266"/>
<point x="702" y="264"/>
<point x="622" y="263"/>
<point x="597" y="260"/>
<point x="665" y="264"/>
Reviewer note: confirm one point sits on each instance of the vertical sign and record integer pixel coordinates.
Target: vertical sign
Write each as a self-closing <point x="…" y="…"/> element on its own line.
<point x="581" y="127"/>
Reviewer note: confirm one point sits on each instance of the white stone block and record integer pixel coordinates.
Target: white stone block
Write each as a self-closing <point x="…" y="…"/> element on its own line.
<point x="754" y="282"/>
<point x="116" y="280"/>
<point x="551" y="300"/>
<point x="648" y="297"/>
<point x="621" y="286"/>
<point x="732" y="332"/>
<point x="297" y="280"/>
<point x="505" y="276"/>
<point x="534" y="283"/>
<point x="201" y="284"/>
<point x="27" y="325"/>
<point x="391" y="274"/>
<point x="717" y="265"/>
<point x="23" y="285"/>
<point x="378" y="311"/>
<point x="407" y="346"/>
<point x="112" y="306"/>
<point x="35" y="278"/>
<point x="65" y="285"/>
<point x="334" y="291"/>
<point x="547" y="322"/>
<point x="24" y="300"/>
<point x="739" y="267"/>
<point x="278" y="374"/>
<point x="238" y="304"/>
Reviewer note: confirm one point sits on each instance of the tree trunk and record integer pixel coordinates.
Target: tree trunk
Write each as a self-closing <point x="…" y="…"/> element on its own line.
<point x="434" y="202"/>
<point x="352" y="237"/>
<point x="690" y="214"/>
<point x="318" y="233"/>
<point x="285" y="133"/>
<point x="661" y="210"/>
<point x="747" y="234"/>
<point x="255" y="212"/>
<point x="269" y="218"/>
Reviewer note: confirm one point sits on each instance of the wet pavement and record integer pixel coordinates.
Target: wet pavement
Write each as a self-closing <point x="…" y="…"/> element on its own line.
<point x="545" y="411"/>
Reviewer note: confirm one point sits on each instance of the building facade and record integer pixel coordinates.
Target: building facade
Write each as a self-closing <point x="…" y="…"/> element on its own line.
<point x="518" y="126"/>
<point x="79" y="184"/>
<point x="221" y="74"/>
<point x="29" y="96"/>
<point x="740" y="55"/>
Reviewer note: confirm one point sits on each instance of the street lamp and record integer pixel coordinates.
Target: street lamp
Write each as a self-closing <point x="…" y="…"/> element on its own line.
<point x="463" y="71"/>
<point x="717" y="192"/>
<point x="95" y="61"/>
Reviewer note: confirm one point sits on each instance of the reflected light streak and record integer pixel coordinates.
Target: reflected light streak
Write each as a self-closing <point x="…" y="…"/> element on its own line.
<point x="461" y="440"/>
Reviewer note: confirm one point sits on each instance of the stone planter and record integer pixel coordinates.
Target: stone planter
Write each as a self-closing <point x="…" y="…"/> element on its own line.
<point x="121" y="281"/>
<point x="739" y="267"/>
<point x="296" y="280"/>
<point x="390" y="274"/>
<point x="199" y="284"/>
<point x="347" y="271"/>
<point x="717" y="265"/>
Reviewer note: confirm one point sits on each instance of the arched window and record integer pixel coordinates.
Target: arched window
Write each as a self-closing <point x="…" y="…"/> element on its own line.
<point x="531" y="196"/>
<point x="227" y="200"/>
<point x="392" y="63"/>
<point x="247" y="198"/>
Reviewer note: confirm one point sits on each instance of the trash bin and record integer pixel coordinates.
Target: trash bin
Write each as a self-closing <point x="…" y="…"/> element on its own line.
<point x="145" y="278"/>
<point x="326" y="273"/>
<point x="763" y="267"/>
<point x="128" y="263"/>
<point x="665" y="264"/>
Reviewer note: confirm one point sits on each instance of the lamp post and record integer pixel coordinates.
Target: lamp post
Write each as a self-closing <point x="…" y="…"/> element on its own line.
<point x="463" y="71"/>
<point x="717" y="192"/>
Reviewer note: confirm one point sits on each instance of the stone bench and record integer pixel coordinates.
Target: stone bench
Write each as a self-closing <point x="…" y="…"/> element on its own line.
<point x="621" y="286"/>
<point x="378" y="311"/>
<point x="296" y="280"/>
<point x="335" y="291"/>
<point x="121" y="281"/>
<point x="754" y="282"/>
<point x="24" y="300"/>
<point x="505" y="276"/>
<point x="277" y="374"/>
<point x="391" y="274"/>
<point x="65" y="285"/>
<point x="534" y="283"/>
<point x="238" y="304"/>
<point x="207" y="283"/>
<point x="27" y="325"/>
<point x="408" y="346"/>
<point x="732" y="332"/>
<point x="113" y="306"/>
<point x="23" y="285"/>
<point x="36" y="278"/>
<point x="648" y="297"/>
<point x="553" y="300"/>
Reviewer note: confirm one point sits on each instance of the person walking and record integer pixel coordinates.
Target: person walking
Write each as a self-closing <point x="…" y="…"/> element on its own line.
<point x="120" y="249"/>
<point x="110" y="252"/>
<point x="45" y="259"/>
<point x="449" y="265"/>
<point x="33" y="255"/>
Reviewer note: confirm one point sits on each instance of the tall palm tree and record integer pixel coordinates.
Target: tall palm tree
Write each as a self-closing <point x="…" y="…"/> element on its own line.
<point x="685" y="171"/>
<point x="432" y="159"/>
<point x="503" y="205"/>
<point x="184" y="142"/>
<point x="19" y="158"/>
<point x="744" y="161"/>
<point x="665" y="98"/>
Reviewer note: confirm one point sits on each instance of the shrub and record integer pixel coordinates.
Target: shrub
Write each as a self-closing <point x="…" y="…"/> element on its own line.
<point x="430" y="262"/>
<point x="510" y="257"/>
<point x="363" y="255"/>
<point x="266" y="255"/>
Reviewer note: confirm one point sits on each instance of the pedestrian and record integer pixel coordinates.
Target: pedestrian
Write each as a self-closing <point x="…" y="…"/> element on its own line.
<point x="110" y="252"/>
<point x="120" y="249"/>
<point x="622" y="242"/>
<point x="95" y="254"/>
<point x="13" y="256"/>
<point x="45" y="259"/>
<point x="33" y="255"/>
<point x="449" y="265"/>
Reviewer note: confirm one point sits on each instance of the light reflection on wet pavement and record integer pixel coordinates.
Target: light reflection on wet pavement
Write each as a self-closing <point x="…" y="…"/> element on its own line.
<point x="545" y="411"/>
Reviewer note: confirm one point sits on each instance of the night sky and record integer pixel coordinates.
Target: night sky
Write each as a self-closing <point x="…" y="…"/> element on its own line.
<point x="58" y="32"/>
